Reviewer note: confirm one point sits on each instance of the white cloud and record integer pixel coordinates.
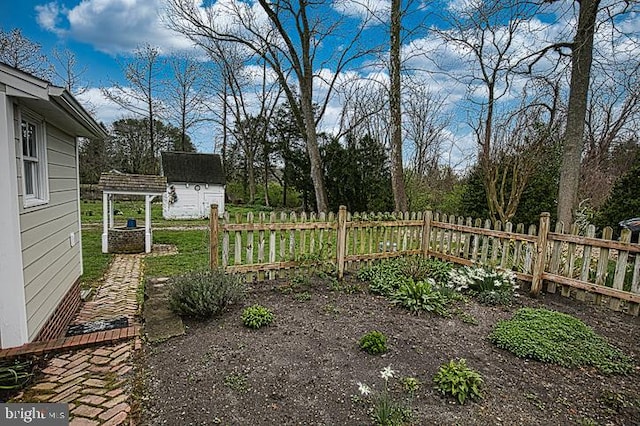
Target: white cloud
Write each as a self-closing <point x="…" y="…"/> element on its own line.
<point x="371" y="12"/>
<point x="112" y="26"/>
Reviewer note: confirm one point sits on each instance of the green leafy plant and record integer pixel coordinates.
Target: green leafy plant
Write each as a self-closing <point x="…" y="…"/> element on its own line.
<point x="419" y="268"/>
<point x="15" y="374"/>
<point x="237" y="382"/>
<point x="373" y="342"/>
<point x="410" y="385"/>
<point x="488" y="285"/>
<point x="421" y="296"/>
<point x="203" y="294"/>
<point x="557" y="338"/>
<point x="386" y="410"/>
<point x="456" y="379"/>
<point x="257" y="316"/>
<point x="384" y="277"/>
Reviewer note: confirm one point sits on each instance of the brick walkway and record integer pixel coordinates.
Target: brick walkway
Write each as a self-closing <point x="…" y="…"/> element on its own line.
<point x="97" y="381"/>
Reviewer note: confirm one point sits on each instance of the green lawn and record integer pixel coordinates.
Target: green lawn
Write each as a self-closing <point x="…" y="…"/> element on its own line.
<point x="192" y="244"/>
<point x="95" y="263"/>
<point x="193" y="253"/>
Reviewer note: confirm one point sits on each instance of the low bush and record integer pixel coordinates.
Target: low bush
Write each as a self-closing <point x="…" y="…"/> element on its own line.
<point x="421" y="296"/>
<point x="458" y="380"/>
<point x="557" y="338"/>
<point x="389" y="275"/>
<point x="204" y="294"/>
<point x="373" y="342"/>
<point x="257" y="316"/>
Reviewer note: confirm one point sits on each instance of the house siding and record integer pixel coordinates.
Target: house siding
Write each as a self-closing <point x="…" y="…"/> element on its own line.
<point x="51" y="264"/>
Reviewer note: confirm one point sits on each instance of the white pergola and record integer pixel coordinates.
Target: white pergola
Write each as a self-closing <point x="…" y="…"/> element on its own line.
<point x="114" y="183"/>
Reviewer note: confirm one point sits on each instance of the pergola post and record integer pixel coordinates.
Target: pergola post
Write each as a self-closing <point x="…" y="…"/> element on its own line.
<point x="147" y="223"/>
<point x="106" y="216"/>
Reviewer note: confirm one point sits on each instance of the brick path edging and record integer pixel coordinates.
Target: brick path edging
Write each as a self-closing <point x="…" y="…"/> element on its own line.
<point x="72" y="342"/>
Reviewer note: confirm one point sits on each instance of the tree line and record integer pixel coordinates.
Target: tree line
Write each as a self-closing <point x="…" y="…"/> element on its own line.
<point x="553" y="122"/>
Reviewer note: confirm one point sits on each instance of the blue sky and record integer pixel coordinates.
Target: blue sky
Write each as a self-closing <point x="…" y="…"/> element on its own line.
<point x="102" y="33"/>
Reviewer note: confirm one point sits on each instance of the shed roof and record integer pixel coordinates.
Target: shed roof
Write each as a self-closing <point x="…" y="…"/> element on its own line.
<point x="193" y="167"/>
<point x="131" y="183"/>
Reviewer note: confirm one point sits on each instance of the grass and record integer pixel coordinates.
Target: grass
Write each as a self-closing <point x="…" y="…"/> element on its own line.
<point x="193" y="253"/>
<point x="95" y="263"/>
<point x="92" y="214"/>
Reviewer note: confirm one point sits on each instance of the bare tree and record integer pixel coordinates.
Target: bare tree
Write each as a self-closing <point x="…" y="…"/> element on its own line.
<point x="581" y="59"/>
<point x="287" y="35"/>
<point x="485" y="33"/>
<point x="395" y="108"/>
<point x="186" y="94"/>
<point x="66" y="70"/>
<point x="142" y="98"/>
<point x="424" y="128"/>
<point x="612" y="122"/>
<point x="20" y="52"/>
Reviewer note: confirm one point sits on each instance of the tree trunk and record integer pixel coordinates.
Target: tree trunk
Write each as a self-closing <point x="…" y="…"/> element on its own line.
<point x="397" y="176"/>
<point x="317" y="173"/>
<point x="577" y="109"/>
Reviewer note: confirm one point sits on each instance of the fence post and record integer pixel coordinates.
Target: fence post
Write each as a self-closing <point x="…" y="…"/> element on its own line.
<point x="426" y="233"/>
<point x="541" y="249"/>
<point x="213" y="236"/>
<point x="342" y="240"/>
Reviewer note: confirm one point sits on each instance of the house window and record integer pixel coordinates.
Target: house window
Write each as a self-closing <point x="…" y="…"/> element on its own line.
<point x="34" y="163"/>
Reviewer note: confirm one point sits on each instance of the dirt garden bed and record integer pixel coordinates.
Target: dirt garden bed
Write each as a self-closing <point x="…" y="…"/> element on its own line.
<point x="304" y="368"/>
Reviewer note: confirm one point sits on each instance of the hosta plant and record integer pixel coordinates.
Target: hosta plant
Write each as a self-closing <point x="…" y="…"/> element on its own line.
<point x="456" y="379"/>
<point x="257" y="316"/>
<point x="421" y="296"/>
<point x="373" y="342"/>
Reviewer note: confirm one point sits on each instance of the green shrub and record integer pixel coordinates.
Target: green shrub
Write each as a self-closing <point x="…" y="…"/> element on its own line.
<point x="389" y="275"/>
<point x="257" y="316"/>
<point x="205" y="293"/>
<point x="421" y="296"/>
<point x="419" y="269"/>
<point x="557" y="338"/>
<point x="384" y="277"/>
<point x="458" y="380"/>
<point x="373" y="342"/>
<point x="488" y="285"/>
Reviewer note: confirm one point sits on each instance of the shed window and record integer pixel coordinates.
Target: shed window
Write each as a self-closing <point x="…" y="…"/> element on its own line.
<point x="34" y="164"/>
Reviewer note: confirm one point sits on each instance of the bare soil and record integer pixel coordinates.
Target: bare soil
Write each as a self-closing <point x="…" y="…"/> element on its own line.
<point x="304" y="369"/>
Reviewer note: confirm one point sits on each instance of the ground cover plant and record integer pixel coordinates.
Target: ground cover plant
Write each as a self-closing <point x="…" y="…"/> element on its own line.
<point x="558" y="338"/>
<point x="305" y="368"/>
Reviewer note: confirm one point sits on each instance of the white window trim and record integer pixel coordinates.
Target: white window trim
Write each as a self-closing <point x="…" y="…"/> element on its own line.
<point x="42" y="196"/>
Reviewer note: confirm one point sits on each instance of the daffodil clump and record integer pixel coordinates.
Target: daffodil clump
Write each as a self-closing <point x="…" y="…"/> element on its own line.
<point x="385" y="409"/>
<point x="489" y="285"/>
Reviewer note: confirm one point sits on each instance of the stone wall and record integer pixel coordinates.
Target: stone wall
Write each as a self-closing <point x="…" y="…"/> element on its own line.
<point x="126" y="240"/>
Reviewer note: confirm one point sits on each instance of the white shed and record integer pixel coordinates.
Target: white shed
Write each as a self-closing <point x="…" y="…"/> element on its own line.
<point x="194" y="182"/>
